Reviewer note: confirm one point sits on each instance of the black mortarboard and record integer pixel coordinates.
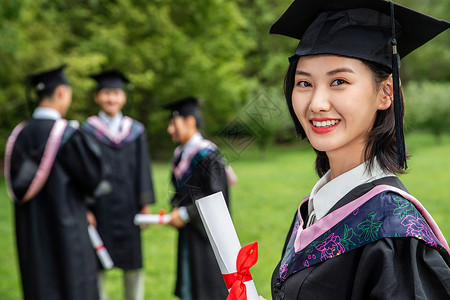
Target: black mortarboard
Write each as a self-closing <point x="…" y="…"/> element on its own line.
<point x="188" y="106"/>
<point x="44" y="81"/>
<point x="363" y="29"/>
<point x="112" y="79"/>
<point x="356" y="28"/>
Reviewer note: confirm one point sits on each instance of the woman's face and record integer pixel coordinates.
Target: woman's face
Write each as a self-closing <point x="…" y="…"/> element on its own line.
<point x="335" y="101"/>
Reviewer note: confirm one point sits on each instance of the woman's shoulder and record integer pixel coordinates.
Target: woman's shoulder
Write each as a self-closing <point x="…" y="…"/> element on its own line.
<point x="394" y="213"/>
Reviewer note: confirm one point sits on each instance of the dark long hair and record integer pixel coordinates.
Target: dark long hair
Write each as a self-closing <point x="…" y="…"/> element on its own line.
<point x="381" y="143"/>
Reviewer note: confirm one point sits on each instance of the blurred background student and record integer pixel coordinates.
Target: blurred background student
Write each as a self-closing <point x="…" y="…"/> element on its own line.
<point x="198" y="170"/>
<point x="127" y="166"/>
<point x="50" y="168"/>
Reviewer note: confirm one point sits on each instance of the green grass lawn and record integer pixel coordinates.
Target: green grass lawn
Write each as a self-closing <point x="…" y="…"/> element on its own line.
<point x="262" y="205"/>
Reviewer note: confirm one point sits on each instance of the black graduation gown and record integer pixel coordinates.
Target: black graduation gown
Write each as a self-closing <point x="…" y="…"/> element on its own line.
<point x="56" y="257"/>
<point x="206" y="178"/>
<point x="390" y="268"/>
<point x="127" y="168"/>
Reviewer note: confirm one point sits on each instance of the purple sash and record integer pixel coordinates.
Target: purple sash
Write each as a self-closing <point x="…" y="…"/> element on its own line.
<point x="383" y="212"/>
<point x="47" y="160"/>
<point x="129" y="131"/>
<point x="185" y="163"/>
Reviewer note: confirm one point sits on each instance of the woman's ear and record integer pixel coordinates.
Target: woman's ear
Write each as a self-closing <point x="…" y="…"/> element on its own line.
<point x="386" y="94"/>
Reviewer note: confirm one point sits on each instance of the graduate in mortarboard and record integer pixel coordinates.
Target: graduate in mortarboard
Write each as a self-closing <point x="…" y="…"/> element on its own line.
<point x="198" y="170"/>
<point x="359" y="234"/>
<point x="127" y="164"/>
<point x="50" y="169"/>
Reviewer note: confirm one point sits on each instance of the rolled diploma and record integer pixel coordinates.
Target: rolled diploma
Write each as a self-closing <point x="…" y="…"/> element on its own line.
<point x="102" y="253"/>
<point x="151" y="219"/>
<point x="222" y="236"/>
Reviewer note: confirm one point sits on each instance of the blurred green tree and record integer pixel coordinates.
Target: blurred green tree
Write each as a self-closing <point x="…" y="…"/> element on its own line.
<point x="217" y="50"/>
<point x="428" y="107"/>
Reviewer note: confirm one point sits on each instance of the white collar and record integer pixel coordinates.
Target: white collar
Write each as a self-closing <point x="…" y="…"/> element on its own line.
<point x="46" y="113"/>
<point x="326" y="193"/>
<point x="109" y="119"/>
<point x="197" y="137"/>
<point x="113" y="123"/>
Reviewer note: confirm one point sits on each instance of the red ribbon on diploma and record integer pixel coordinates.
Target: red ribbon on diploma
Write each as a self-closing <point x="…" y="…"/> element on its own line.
<point x="99" y="247"/>
<point x="161" y="215"/>
<point x="247" y="257"/>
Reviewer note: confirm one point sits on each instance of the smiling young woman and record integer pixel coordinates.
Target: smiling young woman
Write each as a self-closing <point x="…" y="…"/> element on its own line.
<point x="359" y="234"/>
<point x="326" y="90"/>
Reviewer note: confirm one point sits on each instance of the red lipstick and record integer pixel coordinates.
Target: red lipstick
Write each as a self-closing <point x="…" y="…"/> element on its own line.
<point x="323" y="125"/>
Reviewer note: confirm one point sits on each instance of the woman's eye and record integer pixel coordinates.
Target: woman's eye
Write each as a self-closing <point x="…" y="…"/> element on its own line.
<point x="303" y="84"/>
<point x="338" y="82"/>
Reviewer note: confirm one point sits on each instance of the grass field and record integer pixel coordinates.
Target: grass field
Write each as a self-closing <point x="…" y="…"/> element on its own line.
<point x="262" y="204"/>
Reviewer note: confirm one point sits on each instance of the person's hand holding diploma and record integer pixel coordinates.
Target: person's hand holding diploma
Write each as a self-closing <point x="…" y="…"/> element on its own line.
<point x="91" y="218"/>
<point x="175" y="219"/>
<point x="145" y="210"/>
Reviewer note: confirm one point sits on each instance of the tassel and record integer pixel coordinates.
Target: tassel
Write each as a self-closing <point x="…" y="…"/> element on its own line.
<point x="398" y="99"/>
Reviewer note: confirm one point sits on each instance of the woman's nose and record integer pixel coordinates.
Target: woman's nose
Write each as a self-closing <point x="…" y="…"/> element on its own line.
<point x="320" y="101"/>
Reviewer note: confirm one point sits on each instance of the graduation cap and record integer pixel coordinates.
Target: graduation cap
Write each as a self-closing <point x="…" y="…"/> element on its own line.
<point x="374" y="30"/>
<point x="112" y="79"/>
<point x="43" y="84"/>
<point x="47" y="80"/>
<point x="356" y="28"/>
<point x="188" y="106"/>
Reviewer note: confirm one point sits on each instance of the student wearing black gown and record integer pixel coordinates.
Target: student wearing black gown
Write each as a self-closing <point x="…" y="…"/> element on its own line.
<point x="198" y="170"/>
<point x="127" y="164"/>
<point x="359" y="234"/>
<point x="50" y="168"/>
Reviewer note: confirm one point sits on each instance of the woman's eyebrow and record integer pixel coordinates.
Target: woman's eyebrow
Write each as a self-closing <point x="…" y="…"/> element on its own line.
<point x="302" y="73"/>
<point x="332" y="72"/>
<point x="340" y="70"/>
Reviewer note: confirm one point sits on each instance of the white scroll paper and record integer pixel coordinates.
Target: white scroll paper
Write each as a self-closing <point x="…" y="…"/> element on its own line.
<point x="222" y="236"/>
<point x="151" y="219"/>
<point x="102" y="253"/>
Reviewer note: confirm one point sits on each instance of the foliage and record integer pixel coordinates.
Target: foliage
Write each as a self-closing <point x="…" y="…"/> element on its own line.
<point x="169" y="50"/>
<point x="218" y="50"/>
<point x="432" y="60"/>
<point x="427" y="107"/>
